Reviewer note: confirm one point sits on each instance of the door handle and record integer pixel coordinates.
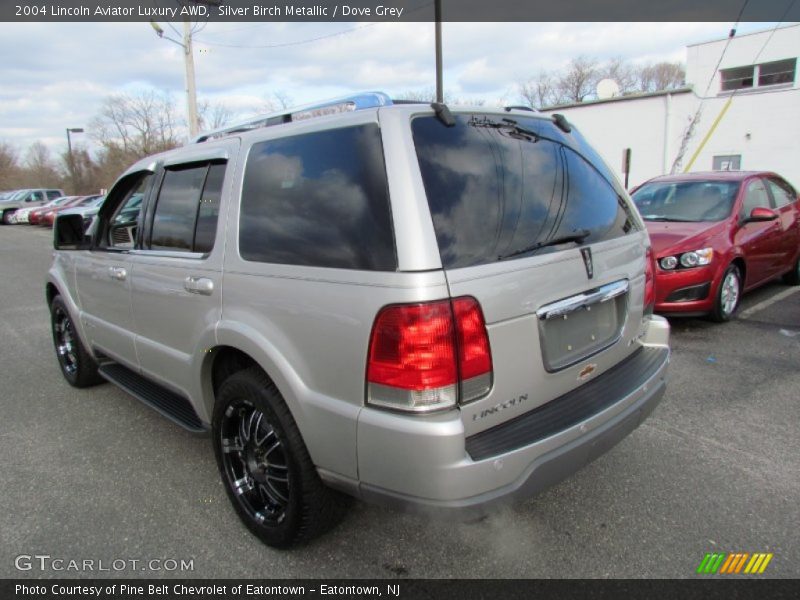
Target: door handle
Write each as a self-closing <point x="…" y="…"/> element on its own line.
<point x="199" y="285"/>
<point x="118" y="273"/>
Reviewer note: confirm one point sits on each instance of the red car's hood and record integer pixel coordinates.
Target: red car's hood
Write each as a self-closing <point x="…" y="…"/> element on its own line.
<point x="669" y="236"/>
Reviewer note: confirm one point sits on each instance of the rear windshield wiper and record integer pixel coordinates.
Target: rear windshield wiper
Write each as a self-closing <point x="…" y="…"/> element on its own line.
<point x="508" y="124"/>
<point x="577" y="236"/>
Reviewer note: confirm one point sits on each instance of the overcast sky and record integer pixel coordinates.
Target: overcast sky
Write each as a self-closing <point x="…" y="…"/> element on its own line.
<point x="55" y="75"/>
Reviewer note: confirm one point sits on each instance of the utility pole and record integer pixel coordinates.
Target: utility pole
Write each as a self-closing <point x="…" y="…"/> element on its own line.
<point x="191" y="90"/>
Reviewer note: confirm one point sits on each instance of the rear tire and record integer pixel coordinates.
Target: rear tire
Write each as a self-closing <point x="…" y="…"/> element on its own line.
<point x="265" y="466"/>
<point x="793" y="276"/>
<point x="77" y="365"/>
<point x="7" y="217"/>
<point x="729" y="293"/>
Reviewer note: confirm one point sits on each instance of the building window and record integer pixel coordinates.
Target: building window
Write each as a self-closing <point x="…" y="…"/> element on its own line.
<point x="774" y="73"/>
<point x="730" y="162"/>
<point x="762" y="75"/>
<point x="738" y="78"/>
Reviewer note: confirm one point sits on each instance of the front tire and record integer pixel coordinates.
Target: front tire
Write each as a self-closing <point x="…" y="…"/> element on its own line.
<point x="728" y="295"/>
<point x="77" y="365"/>
<point x="265" y="466"/>
<point x="7" y="217"/>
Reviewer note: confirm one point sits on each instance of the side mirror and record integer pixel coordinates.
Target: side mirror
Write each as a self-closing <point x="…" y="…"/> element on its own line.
<point x="761" y="214"/>
<point x="68" y="233"/>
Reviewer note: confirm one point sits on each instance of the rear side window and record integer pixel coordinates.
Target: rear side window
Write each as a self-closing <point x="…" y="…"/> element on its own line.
<point x="494" y="189"/>
<point x="187" y="208"/>
<point x="319" y="199"/>
<point x="782" y="192"/>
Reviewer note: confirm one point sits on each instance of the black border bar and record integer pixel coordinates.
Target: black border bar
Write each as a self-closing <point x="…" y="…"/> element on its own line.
<point x="399" y="10"/>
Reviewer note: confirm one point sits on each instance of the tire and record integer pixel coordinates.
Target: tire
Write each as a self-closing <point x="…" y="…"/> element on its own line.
<point x="77" y="365"/>
<point x="265" y="466"/>
<point x="7" y="217"/>
<point x="729" y="293"/>
<point x="793" y="276"/>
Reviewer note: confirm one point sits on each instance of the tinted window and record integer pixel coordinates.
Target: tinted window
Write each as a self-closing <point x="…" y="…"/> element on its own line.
<point x="52" y="194"/>
<point x="686" y="200"/>
<point x="176" y="208"/>
<point x="208" y="211"/>
<point x="493" y="191"/>
<point x="187" y="208"/>
<point x="782" y="192"/>
<point x="319" y="199"/>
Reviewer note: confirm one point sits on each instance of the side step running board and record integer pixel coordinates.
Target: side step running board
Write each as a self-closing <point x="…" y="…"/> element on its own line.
<point x="173" y="406"/>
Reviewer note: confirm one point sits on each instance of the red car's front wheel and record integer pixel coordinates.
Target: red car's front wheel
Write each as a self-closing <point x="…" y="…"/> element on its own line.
<point x="728" y="294"/>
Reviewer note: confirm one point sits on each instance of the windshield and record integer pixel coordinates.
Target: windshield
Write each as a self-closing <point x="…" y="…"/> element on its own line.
<point x="687" y="201"/>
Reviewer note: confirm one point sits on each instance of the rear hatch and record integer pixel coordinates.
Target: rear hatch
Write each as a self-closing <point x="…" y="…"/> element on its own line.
<point x="531" y="223"/>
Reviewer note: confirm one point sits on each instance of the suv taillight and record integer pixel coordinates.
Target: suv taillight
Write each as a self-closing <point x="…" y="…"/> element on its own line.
<point x="649" y="283"/>
<point x="425" y="357"/>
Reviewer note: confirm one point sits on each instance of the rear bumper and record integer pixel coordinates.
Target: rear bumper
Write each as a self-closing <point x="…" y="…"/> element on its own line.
<point x="433" y="468"/>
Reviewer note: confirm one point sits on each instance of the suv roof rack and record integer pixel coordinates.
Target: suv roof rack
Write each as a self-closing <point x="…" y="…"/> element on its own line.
<point x="308" y="111"/>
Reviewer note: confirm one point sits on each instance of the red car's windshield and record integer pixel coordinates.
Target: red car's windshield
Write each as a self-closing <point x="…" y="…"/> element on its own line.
<point x="690" y="201"/>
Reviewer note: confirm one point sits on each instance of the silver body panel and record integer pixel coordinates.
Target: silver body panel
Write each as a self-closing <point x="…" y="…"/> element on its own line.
<point x="309" y="328"/>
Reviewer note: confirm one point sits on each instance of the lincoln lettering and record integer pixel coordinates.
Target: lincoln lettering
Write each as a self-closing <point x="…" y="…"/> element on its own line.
<point x="502" y="406"/>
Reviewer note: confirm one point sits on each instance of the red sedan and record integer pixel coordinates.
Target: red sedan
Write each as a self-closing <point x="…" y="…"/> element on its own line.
<point x="48" y="217"/>
<point x="716" y="235"/>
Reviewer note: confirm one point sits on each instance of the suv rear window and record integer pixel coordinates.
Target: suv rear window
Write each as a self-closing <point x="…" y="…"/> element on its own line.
<point x="496" y="186"/>
<point x="319" y="199"/>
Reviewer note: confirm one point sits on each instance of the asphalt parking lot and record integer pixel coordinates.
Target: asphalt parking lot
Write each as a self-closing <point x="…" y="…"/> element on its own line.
<point x="95" y="475"/>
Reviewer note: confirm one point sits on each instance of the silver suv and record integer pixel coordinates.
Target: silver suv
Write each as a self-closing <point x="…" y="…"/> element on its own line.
<point x="25" y="199"/>
<point x="423" y="306"/>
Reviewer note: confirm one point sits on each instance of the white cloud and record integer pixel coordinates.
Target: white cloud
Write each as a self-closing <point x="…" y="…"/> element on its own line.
<point x="56" y="74"/>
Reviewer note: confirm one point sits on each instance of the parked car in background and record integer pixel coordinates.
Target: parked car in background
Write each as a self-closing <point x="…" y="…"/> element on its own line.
<point x="87" y="209"/>
<point x="35" y="214"/>
<point x="48" y="218"/>
<point x="26" y="199"/>
<point x="717" y="235"/>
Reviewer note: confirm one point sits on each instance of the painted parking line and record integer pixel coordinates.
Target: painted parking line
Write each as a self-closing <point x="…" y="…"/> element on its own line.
<point x="768" y="302"/>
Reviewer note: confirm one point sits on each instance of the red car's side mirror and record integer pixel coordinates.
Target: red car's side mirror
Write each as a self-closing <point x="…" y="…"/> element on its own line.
<point x="760" y="214"/>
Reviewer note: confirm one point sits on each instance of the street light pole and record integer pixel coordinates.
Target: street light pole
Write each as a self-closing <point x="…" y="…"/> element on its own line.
<point x="70" y="158"/>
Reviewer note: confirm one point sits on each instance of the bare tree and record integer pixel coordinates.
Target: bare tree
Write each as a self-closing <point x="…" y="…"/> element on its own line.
<point x="579" y="80"/>
<point x="428" y="94"/>
<point x="539" y="91"/>
<point x="277" y="101"/>
<point x="9" y="167"/>
<point x="40" y="169"/>
<point x="625" y="76"/>
<point x="213" y="115"/>
<point x="137" y="124"/>
<point x="661" y="76"/>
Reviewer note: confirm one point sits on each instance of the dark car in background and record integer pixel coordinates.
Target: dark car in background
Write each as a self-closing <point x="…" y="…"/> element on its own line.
<point x="718" y="234"/>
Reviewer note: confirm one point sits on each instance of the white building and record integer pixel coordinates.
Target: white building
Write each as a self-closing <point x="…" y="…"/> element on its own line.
<point x="754" y="95"/>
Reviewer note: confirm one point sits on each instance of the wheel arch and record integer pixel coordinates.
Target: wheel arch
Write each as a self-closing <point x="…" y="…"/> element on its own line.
<point x="327" y="425"/>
